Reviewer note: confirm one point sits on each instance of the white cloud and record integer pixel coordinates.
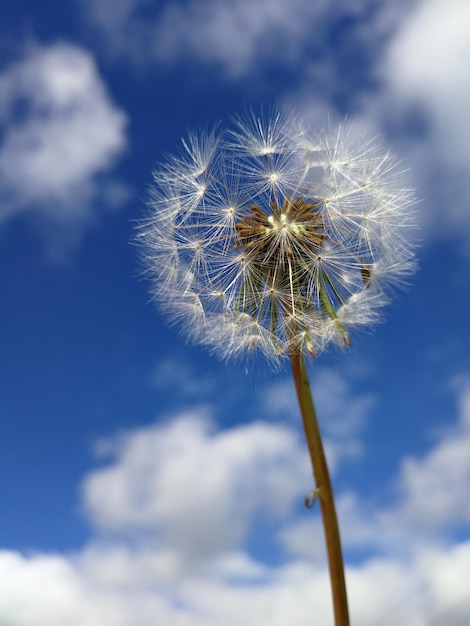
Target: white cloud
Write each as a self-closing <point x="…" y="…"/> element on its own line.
<point x="435" y="486"/>
<point x="235" y="35"/>
<point x="195" y="489"/>
<point x="191" y="384"/>
<point x="342" y="414"/>
<point x="425" y="72"/>
<point x="428" y="62"/>
<point x="428" y="499"/>
<point x="52" y="590"/>
<point x="190" y="482"/>
<point x="60" y="131"/>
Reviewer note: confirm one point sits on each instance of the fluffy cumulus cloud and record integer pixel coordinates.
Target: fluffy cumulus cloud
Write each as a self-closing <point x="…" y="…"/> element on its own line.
<point x="52" y="591"/>
<point x="424" y="71"/>
<point x="435" y="487"/>
<point x="177" y="509"/>
<point x="196" y="489"/>
<point x="427" y="63"/>
<point x="59" y="132"/>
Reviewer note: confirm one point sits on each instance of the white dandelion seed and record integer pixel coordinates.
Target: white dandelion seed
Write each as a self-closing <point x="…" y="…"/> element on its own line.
<point x="271" y="237"/>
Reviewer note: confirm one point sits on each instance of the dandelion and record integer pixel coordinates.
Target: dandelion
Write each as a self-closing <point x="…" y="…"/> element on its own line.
<point x="269" y="238"/>
<point x="275" y="239"/>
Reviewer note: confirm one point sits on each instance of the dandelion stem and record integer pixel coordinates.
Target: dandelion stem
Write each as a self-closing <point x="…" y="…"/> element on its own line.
<point x="323" y="487"/>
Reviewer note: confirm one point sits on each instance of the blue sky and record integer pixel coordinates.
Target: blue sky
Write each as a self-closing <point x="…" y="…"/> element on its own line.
<point x="141" y="480"/>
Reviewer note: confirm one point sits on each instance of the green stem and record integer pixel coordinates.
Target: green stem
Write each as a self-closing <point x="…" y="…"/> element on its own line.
<point x="323" y="488"/>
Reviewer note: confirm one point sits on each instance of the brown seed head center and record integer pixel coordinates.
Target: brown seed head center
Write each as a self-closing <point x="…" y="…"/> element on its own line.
<point x="295" y="227"/>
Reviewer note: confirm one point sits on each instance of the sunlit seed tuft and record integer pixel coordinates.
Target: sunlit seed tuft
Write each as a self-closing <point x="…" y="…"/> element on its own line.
<point x="274" y="238"/>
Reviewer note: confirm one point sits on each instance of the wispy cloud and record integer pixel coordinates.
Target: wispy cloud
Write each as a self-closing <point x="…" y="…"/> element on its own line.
<point x="343" y="414"/>
<point x="60" y="132"/>
<point x="191" y="384"/>
<point x="239" y="37"/>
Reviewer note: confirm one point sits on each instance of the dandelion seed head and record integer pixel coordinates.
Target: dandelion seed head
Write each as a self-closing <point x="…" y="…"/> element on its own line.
<point x="273" y="238"/>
